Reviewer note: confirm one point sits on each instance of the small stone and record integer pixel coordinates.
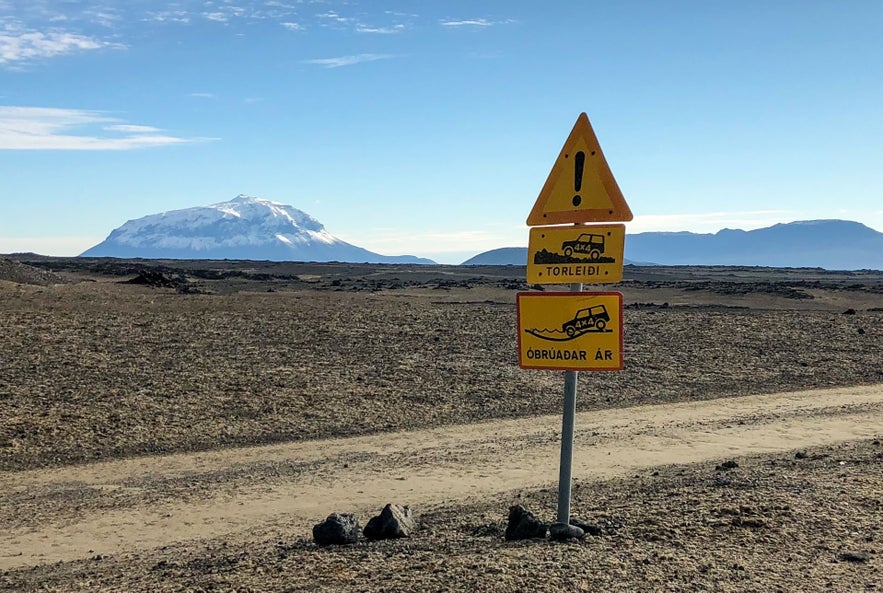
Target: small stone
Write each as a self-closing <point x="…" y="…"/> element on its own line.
<point x="855" y="556"/>
<point x="727" y="465"/>
<point x="801" y="455"/>
<point x="588" y="528"/>
<point x="753" y="522"/>
<point x="337" y="530"/>
<point x="524" y="525"/>
<point x="394" y="521"/>
<point x="562" y="532"/>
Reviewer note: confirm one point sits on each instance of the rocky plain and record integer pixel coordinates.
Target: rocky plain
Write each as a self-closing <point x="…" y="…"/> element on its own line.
<point x="181" y="426"/>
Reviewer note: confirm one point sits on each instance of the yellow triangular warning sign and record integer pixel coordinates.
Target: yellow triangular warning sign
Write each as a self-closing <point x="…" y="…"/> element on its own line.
<point x="580" y="187"/>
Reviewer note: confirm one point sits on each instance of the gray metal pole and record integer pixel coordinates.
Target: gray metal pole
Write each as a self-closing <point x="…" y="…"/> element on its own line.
<point x="567" y="426"/>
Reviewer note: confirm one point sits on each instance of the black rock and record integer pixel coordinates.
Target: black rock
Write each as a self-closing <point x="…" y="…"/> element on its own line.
<point x="524" y="525"/>
<point x="336" y="530"/>
<point x="855" y="556"/>
<point x="394" y="521"/>
<point x="730" y="464"/>
<point x="152" y="278"/>
<point x="562" y="532"/>
<point x="587" y="528"/>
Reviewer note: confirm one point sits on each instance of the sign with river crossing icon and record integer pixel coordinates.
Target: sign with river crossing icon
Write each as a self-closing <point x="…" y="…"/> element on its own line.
<point x="570" y="331"/>
<point x="576" y="254"/>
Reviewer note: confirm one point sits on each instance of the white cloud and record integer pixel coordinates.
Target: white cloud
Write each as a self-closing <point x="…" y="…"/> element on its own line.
<point x="380" y="30"/>
<point x="218" y="17"/>
<point x="104" y="17"/>
<point x="42" y="128"/>
<point x="291" y="26"/>
<point x="467" y="23"/>
<point x="348" y="60"/>
<point x="23" y="46"/>
<point x="333" y="16"/>
<point x="132" y="129"/>
<point x="168" y="16"/>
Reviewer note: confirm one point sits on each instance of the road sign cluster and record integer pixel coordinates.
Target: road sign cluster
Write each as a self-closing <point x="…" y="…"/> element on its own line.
<point x="577" y="331"/>
<point x="574" y="331"/>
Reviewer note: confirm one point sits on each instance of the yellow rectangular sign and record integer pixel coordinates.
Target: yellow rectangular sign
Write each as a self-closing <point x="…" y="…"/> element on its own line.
<point x="570" y="331"/>
<point x="566" y="255"/>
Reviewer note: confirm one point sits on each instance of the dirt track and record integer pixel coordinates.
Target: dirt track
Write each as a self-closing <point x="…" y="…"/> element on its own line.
<point x="128" y="505"/>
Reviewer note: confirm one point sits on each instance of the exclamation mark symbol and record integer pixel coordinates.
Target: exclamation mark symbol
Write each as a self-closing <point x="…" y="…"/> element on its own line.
<point x="579" y="160"/>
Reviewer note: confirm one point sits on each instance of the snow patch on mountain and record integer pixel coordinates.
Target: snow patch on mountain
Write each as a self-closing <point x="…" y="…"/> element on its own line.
<point x="243" y="228"/>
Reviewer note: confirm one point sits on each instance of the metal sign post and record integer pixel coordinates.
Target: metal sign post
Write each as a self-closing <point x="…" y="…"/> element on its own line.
<point x="567" y="426"/>
<point x="565" y="471"/>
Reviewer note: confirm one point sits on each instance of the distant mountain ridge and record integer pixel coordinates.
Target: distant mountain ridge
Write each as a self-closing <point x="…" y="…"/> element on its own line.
<point x="246" y="227"/>
<point x="829" y="244"/>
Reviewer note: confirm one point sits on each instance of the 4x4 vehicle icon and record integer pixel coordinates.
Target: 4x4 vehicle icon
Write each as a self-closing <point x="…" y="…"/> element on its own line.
<point x="589" y="319"/>
<point x="587" y="243"/>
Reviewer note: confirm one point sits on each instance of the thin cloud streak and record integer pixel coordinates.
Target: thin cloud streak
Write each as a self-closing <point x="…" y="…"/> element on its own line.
<point x="467" y="23"/>
<point x="381" y="30"/>
<point x="168" y="16"/>
<point x="24" y="46"/>
<point x="42" y="128"/>
<point x="218" y="17"/>
<point x="132" y="129"/>
<point x="333" y="16"/>
<point x="107" y="17"/>
<point x="349" y="60"/>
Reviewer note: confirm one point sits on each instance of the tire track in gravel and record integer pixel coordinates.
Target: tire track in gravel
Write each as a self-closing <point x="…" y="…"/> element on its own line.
<point x="141" y="503"/>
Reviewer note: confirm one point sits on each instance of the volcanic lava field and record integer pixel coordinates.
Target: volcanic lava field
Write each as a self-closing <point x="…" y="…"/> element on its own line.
<point x="170" y="425"/>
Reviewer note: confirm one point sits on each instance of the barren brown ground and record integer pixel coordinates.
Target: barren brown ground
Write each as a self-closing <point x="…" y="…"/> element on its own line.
<point x="103" y="370"/>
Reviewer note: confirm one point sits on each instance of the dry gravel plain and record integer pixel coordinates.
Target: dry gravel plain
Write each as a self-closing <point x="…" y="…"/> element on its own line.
<point x="104" y="361"/>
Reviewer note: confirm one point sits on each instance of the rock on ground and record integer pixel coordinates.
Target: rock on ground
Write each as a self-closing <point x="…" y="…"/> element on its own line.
<point x="394" y="521"/>
<point x="337" y="529"/>
<point x="561" y="532"/>
<point x="524" y="525"/>
<point x="588" y="528"/>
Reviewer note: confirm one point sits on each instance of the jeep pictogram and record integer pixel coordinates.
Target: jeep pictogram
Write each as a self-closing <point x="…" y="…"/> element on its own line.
<point x="586" y="244"/>
<point x="589" y="319"/>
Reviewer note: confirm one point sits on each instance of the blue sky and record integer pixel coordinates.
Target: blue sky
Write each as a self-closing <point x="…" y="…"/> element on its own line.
<point x="429" y="128"/>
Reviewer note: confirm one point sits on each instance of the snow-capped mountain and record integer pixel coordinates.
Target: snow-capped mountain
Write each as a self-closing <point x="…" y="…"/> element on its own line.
<point x="243" y="228"/>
